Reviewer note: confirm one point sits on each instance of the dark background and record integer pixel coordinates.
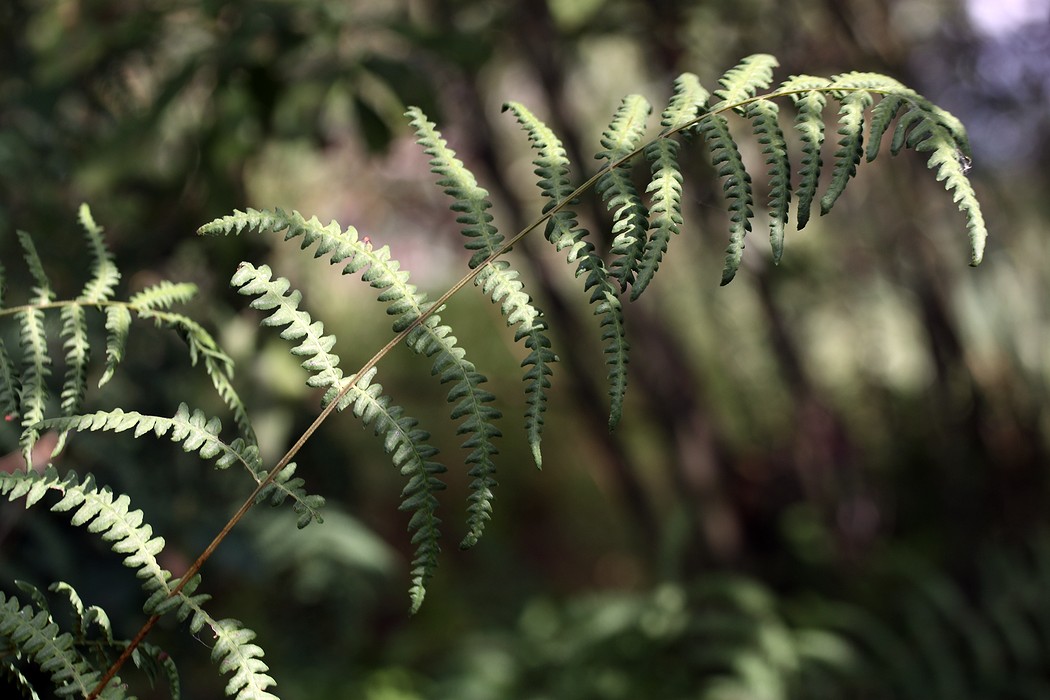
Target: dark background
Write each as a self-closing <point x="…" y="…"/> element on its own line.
<point x="847" y="448"/>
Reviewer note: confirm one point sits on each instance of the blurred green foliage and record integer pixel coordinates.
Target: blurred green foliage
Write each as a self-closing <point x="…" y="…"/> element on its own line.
<point x="870" y="410"/>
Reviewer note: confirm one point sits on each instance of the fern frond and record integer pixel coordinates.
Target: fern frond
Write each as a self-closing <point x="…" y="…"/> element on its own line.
<point x="665" y="188"/>
<point x="471" y="200"/>
<point x="163" y="295"/>
<point x="274" y="295"/>
<point x="195" y="432"/>
<point x="763" y="115"/>
<point x="235" y="653"/>
<point x="950" y="160"/>
<point x="411" y="453"/>
<point x="123" y="529"/>
<point x="36" y="361"/>
<point x="78" y="352"/>
<point x="217" y="364"/>
<point x="687" y="103"/>
<point x="742" y="81"/>
<point x="104" y="272"/>
<point x="882" y="115"/>
<point x="563" y="231"/>
<point x="409" y="448"/>
<point x="617" y="190"/>
<point x="36" y="636"/>
<point x="93" y="632"/>
<point x="497" y="281"/>
<point x="665" y="209"/>
<point x="428" y="338"/>
<point x="807" y="94"/>
<point x="851" y="145"/>
<point x="118" y="326"/>
<point x="736" y="185"/>
<point x="8" y="385"/>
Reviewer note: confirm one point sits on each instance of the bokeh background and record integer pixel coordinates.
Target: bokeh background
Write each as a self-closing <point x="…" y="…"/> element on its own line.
<point x="831" y="474"/>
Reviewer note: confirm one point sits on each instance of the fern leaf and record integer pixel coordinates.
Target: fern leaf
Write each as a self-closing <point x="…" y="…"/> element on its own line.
<point x="411" y="453"/>
<point x="851" y="145"/>
<point x="104" y="272"/>
<point x="74" y="387"/>
<point x="497" y="281"/>
<point x="273" y="295"/>
<point x="409" y="448"/>
<point x="930" y="135"/>
<point x="563" y="231"/>
<point x="687" y="103"/>
<point x="736" y="185"/>
<point x="195" y="432"/>
<point x="163" y="295"/>
<point x="35" y="635"/>
<point x="36" y="360"/>
<point x="763" y="114"/>
<point x="471" y="200"/>
<point x="882" y="115"/>
<point x="9" y="383"/>
<point x="809" y="99"/>
<point x="118" y="325"/>
<point x="217" y="364"/>
<point x="665" y="190"/>
<point x="630" y="216"/>
<point x="429" y="338"/>
<point x="234" y="653"/>
<point x="741" y="82"/>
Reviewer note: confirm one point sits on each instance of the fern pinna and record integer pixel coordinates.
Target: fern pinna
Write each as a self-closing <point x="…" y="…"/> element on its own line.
<point x="644" y="220"/>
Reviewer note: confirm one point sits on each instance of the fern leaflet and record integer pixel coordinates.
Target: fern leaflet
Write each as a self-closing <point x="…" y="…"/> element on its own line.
<point x="552" y="166"/>
<point x="763" y="114"/>
<point x="807" y="93"/>
<point x="36" y="361"/>
<point x="851" y="145"/>
<point x="426" y="337"/>
<point x="498" y="281"/>
<point x="409" y="448"/>
<point x="630" y="216"/>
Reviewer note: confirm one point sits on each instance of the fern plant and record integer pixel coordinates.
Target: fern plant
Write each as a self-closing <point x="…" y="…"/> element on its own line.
<point x="644" y="221"/>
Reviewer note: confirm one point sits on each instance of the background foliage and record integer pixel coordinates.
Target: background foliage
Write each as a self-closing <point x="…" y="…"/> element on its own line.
<point x="862" y="428"/>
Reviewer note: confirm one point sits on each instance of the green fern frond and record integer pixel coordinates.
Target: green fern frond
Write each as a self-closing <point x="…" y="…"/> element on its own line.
<point x="195" y="432"/>
<point x="36" y="636"/>
<point x="665" y="209"/>
<point x="78" y="354"/>
<point x="665" y="188"/>
<point x="617" y="190"/>
<point x="274" y="295"/>
<point x="688" y="102"/>
<point x="497" y="281"/>
<point x="411" y="453"/>
<point x="409" y="448"/>
<point x="163" y="295"/>
<point x="882" y="115"/>
<point x="851" y="145"/>
<point x="763" y="115"/>
<point x="736" y="185"/>
<point x="429" y="338"/>
<point x="118" y="326"/>
<point x="807" y="94"/>
<point x="104" y="273"/>
<point x="36" y="361"/>
<point x="742" y="81"/>
<point x="8" y="385"/>
<point x="950" y="161"/>
<point x="471" y="200"/>
<point x="217" y="364"/>
<point x="123" y="529"/>
<point x="563" y="231"/>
